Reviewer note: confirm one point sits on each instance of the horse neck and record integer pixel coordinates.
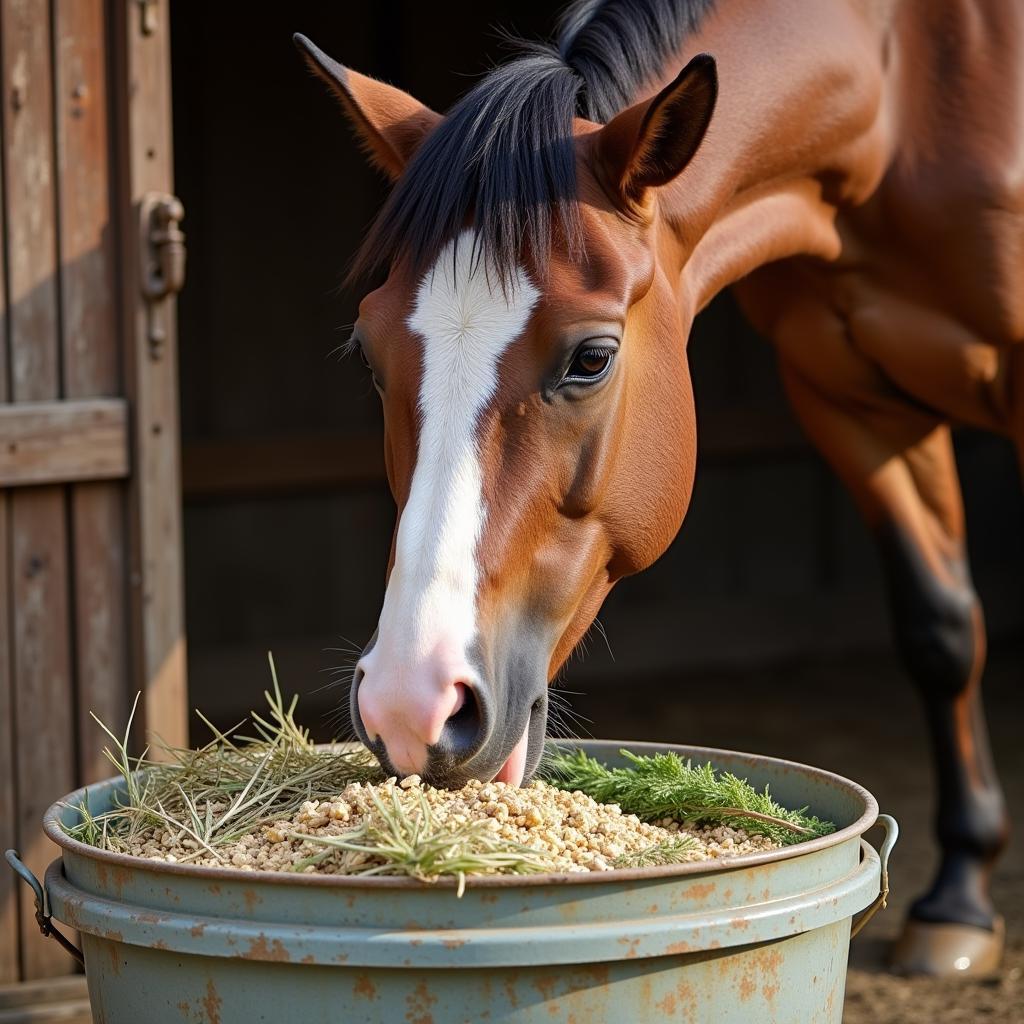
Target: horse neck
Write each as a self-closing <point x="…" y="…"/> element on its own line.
<point x="799" y="130"/>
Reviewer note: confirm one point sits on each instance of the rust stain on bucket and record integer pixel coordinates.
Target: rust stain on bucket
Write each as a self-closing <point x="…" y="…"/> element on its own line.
<point x="260" y="949"/>
<point x="420" y="1001"/>
<point x="365" y="987"/>
<point x="212" y="1003"/>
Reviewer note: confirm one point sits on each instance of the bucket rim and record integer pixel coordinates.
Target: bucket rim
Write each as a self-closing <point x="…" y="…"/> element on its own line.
<point x="54" y="831"/>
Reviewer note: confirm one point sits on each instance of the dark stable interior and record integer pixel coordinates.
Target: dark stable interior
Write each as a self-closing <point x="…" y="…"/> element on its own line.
<point x="287" y="515"/>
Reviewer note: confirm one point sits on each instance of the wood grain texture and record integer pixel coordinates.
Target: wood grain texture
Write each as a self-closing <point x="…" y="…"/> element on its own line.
<point x="91" y="353"/>
<point x="100" y="617"/>
<point x="9" y="969"/>
<point x="144" y="164"/>
<point x="44" y="701"/>
<point x="40" y="627"/>
<point x="28" y="173"/>
<point x="46" y="1002"/>
<point x="8" y="808"/>
<point x="40" y="993"/>
<point x="59" y="441"/>
<point x="74" y="1011"/>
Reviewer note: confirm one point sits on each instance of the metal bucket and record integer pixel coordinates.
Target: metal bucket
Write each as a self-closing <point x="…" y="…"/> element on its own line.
<point x="764" y="939"/>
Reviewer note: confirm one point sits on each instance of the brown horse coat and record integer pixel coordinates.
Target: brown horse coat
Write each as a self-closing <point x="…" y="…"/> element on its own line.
<point x="855" y="168"/>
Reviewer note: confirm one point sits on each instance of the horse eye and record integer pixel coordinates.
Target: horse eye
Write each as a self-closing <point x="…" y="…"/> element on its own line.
<point x="589" y="364"/>
<point x="358" y="346"/>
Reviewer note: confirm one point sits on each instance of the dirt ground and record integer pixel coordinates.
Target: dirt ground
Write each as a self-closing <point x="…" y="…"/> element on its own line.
<point x="863" y="721"/>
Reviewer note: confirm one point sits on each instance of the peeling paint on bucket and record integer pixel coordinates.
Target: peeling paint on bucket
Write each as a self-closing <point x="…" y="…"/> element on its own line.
<point x="762" y="939"/>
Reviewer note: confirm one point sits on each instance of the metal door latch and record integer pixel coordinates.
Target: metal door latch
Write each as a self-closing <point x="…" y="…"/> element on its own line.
<point x="162" y="251"/>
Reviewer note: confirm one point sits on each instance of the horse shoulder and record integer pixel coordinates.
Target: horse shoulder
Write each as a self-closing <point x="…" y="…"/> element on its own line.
<point x="953" y="194"/>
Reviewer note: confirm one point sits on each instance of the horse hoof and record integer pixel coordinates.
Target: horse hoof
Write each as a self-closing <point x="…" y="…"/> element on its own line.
<point x="948" y="949"/>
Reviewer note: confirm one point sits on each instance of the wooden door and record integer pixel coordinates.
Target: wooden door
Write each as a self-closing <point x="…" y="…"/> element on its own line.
<point x="90" y="531"/>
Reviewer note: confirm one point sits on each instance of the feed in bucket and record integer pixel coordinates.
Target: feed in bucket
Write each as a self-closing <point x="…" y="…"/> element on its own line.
<point x="279" y="802"/>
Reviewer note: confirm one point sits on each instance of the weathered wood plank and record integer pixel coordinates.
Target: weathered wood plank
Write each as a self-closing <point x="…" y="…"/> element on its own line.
<point x="8" y="808"/>
<point x="101" y="621"/>
<point x="143" y="136"/>
<point x="41" y="670"/>
<point x="87" y="274"/>
<point x="74" y="1011"/>
<point x="56" y="442"/>
<point x="43" y="695"/>
<point x="28" y="173"/>
<point x="38" y="994"/>
<point x="91" y="367"/>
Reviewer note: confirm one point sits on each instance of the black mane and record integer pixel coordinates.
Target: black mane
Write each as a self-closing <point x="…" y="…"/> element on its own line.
<point x="619" y="46"/>
<point x="504" y="155"/>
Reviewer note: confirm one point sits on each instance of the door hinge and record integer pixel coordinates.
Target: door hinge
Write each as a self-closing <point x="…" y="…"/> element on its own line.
<point x="162" y="252"/>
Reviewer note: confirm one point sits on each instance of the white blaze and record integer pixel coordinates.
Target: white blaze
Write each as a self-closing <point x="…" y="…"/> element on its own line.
<point x="465" y="322"/>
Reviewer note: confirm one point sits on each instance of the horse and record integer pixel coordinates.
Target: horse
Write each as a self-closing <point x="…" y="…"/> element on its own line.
<point x="853" y="170"/>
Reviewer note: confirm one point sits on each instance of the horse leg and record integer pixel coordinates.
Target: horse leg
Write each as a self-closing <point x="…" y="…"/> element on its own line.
<point x="898" y="463"/>
<point x="940" y="633"/>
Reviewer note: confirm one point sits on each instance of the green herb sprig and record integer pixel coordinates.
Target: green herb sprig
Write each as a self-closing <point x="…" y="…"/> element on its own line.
<point x="666" y="786"/>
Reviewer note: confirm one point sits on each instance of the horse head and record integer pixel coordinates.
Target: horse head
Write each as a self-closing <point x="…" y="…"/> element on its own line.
<point x="529" y="348"/>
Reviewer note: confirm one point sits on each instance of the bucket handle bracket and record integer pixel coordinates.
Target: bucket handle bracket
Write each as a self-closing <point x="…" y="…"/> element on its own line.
<point x="892" y="833"/>
<point x="43" y="918"/>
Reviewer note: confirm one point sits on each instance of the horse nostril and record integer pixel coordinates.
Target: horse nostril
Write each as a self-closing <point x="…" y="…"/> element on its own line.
<point x="463" y="732"/>
<point x="461" y="694"/>
<point x="355" y="713"/>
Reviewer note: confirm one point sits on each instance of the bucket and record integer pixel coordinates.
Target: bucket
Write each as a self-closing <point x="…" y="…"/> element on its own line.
<point x="762" y="939"/>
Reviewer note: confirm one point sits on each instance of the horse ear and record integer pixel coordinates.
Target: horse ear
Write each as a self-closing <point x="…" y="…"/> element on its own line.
<point x="390" y="123"/>
<point x="648" y="144"/>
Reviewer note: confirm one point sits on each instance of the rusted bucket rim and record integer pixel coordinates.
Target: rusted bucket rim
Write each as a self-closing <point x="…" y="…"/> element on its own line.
<point x="53" y="829"/>
<point x="507" y="945"/>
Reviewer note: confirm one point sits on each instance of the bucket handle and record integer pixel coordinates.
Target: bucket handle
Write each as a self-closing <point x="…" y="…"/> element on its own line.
<point x="43" y="918"/>
<point x="892" y="833"/>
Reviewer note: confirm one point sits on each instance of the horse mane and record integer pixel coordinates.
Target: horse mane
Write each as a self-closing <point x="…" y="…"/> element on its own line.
<point x="619" y="46"/>
<point x="504" y="154"/>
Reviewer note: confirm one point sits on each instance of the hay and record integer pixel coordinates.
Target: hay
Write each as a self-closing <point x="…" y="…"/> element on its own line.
<point x="238" y="792"/>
